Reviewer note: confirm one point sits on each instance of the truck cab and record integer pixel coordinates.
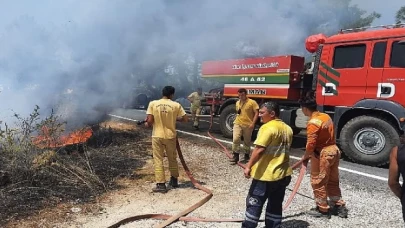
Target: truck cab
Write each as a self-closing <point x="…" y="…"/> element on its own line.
<point x="359" y="79"/>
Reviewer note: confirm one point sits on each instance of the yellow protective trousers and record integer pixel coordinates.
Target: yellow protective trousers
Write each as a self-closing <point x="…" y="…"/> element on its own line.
<point x="195" y="111"/>
<point x="238" y="132"/>
<point x="159" y="145"/>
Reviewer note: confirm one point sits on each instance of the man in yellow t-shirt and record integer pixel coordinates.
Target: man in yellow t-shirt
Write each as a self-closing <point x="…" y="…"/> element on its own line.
<point x="244" y="124"/>
<point x="162" y="115"/>
<point x="269" y="167"/>
<point x="195" y="109"/>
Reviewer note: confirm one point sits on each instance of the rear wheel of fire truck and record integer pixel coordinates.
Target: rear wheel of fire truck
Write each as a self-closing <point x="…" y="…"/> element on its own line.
<point x="203" y="110"/>
<point x="142" y="100"/>
<point x="368" y="140"/>
<point x="226" y="119"/>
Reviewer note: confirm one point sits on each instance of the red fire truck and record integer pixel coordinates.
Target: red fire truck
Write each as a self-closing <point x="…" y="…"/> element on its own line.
<point x="357" y="76"/>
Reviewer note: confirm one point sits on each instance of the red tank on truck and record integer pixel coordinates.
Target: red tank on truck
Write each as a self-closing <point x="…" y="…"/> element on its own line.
<point x="357" y="77"/>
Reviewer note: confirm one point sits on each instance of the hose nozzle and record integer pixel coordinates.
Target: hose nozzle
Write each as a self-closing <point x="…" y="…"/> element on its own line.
<point x="140" y="122"/>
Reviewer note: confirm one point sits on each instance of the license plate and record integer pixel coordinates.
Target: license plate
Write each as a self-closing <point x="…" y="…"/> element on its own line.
<point x="256" y="91"/>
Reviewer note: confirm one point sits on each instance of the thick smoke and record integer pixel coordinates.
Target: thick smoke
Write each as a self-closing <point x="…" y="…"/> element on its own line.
<point x="86" y="56"/>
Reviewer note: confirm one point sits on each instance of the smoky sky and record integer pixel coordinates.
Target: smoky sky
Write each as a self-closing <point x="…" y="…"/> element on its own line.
<point x="387" y="11"/>
<point x="82" y="56"/>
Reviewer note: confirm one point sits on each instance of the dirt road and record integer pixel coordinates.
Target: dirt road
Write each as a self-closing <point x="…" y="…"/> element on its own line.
<point x="370" y="202"/>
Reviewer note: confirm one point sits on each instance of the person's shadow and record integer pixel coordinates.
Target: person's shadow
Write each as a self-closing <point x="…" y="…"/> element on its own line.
<point x="189" y="184"/>
<point x="295" y="223"/>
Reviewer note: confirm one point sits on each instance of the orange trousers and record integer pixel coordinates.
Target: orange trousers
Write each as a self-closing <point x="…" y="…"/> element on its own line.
<point x="325" y="178"/>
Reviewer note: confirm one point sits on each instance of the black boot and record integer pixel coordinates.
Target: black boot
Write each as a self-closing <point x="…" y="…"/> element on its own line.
<point x="234" y="159"/>
<point x="340" y="211"/>
<point x="173" y="182"/>
<point x="246" y="158"/>
<point x="160" y="187"/>
<point x="315" y="212"/>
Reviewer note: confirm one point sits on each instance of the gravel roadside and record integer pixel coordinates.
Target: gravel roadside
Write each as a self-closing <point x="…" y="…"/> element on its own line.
<point x="370" y="202"/>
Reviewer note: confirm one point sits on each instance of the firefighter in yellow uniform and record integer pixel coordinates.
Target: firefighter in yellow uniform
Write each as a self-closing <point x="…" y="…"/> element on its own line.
<point x="324" y="155"/>
<point x="244" y="124"/>
<point x="195" y="109"/>
<point x="162" y="115"/>
<point x="269" y="168"/>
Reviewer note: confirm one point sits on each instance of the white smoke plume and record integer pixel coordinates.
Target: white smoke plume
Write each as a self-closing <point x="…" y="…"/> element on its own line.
<point x="92" y="53"/>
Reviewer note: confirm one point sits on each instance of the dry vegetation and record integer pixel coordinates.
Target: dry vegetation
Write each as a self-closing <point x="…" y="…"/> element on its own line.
<point x="33" y="179"/>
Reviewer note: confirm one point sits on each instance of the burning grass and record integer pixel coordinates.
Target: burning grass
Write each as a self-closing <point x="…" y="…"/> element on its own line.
<point x="40" y="169"/>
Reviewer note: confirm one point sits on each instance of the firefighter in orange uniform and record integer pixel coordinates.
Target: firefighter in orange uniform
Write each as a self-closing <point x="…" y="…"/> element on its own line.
<point x="324" y="155"/>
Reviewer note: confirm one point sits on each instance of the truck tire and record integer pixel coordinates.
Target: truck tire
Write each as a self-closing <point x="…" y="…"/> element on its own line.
<point x="226" y="119"/>
<point x="301" y="120"/>
<point x="203" y="110"/>
<point x="142" y="101"/>
<point x="368" y="140"/>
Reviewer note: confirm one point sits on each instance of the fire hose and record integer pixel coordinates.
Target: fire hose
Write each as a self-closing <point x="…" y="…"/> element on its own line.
<point x="181" y="216"/>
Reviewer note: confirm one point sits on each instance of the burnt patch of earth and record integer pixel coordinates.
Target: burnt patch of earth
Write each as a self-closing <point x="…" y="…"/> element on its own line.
<point x="72" y="175"/>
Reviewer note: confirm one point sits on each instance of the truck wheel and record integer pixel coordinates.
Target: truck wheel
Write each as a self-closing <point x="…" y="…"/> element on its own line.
<point x="226" y="119"/>
<point x="368" y="140"/>
<point x="203" y="110"/>
<point x="142" y="101"/>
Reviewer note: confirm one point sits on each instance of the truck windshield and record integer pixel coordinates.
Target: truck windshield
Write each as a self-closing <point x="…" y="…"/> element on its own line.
<point x="398" y="55"/>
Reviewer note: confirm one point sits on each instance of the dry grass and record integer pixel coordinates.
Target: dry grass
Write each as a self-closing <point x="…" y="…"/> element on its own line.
<point x="118" y="126"/>
<point x="52" y="182"/>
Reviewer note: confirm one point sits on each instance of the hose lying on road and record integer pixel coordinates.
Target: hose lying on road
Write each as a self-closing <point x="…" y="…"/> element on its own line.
<point x="169" y="219"/>
<point x="297" y="183"/>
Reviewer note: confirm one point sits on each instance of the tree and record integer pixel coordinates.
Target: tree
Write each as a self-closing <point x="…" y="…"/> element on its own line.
<point x="363" y="21"/>
<point x="352" y="16"/>
<point x="400" y="15"/>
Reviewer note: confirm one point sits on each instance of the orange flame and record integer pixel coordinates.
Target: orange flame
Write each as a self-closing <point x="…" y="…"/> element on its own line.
<point x="46" y="140"/>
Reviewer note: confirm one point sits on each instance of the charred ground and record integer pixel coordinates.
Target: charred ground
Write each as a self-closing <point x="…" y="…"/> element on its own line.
<point x="34" y="180"/>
